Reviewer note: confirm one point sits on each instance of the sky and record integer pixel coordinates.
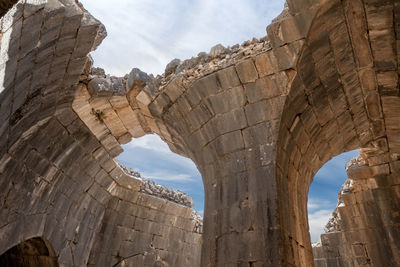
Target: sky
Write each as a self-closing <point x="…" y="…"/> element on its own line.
<point x="148" y="34"/>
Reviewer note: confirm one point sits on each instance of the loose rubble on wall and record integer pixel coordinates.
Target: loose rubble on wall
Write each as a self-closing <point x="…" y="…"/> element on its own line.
<point x="187" y="71"/>
<point x="219" y="57"/>
<point x="151" y="188"/>
<point x="355" y="163"/>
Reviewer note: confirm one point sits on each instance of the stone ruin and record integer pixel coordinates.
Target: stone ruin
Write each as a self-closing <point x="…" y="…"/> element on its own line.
<point x="258" y="119"/>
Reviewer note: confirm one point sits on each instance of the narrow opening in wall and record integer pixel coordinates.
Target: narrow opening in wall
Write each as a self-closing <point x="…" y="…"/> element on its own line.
<point x="151" y="157"/>
<point x="34" y="252"/>
<point x="323" y="193"/>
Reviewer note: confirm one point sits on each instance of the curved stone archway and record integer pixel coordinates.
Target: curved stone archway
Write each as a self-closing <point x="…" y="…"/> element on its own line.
<point x="34" y="252"/>
<point x="258" y="119"/>
<point x="338" y="103"/>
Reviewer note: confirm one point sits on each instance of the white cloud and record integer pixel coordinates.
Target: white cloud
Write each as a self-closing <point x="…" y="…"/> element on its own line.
<point x="316" y="204"/>
<point x="317" y="221"/>
<point x="318" y="216"/>
<point x="150" y="142"/>
<point x="149" y="33"/>
<point x="170" y="177"/>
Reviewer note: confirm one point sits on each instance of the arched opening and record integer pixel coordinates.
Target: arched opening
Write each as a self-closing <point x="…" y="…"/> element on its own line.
<point x="34" y="252"/>
<point x="152" y="159"/>
<point x="323" y="194"/>
<point x="332" y="109"/>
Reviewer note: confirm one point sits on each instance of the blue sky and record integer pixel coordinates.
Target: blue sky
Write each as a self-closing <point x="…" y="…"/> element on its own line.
<point x="148" y="34"/>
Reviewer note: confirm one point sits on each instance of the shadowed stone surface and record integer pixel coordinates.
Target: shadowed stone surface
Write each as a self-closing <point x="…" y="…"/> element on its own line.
<point x="258" y="119"/>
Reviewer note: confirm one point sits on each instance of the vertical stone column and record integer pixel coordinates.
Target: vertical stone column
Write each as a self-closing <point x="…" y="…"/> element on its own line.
<point x="227" y="122"/>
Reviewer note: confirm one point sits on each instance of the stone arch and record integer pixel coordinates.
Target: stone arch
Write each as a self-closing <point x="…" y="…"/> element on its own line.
<point x="226" y="117"/>
<point x="35" y="251"/>
<point x="22" y="229"/>
<point x="336" y="104"/>
<point x="71" y="186"/>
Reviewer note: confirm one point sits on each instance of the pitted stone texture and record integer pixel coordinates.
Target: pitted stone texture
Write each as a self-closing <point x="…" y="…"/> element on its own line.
<point x="67" y="176"/>
<point x="258" y="120"/>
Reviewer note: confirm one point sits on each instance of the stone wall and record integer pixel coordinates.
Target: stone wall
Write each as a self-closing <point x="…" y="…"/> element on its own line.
<point x="140" y="230"/>
<point x="258" y="119"/>
<point x="365" y="227"/>
<point x="57" y="180"/>
<point x="30" y="253"/>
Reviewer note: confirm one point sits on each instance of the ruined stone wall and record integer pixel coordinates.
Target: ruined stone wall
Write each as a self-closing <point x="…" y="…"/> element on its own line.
<point x="258" y="119"/>
<point x="57" y="180"/>
<point x="365" y="229"/>
<point x="141" y="230"/>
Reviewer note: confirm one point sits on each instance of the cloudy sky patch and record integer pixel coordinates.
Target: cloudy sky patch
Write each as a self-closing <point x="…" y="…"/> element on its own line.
<point x="150" y="33"/>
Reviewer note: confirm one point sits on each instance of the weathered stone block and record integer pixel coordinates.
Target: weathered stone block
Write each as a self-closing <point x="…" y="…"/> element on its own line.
<point x="247" y="71"/>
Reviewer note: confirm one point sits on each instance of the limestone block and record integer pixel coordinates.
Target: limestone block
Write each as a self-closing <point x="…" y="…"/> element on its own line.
<point x="72" y="21"/>
<point x="373" y="105"/>
<point x="30" y="33"/>
<point x="159" y="105"/>
<point x="342" y="48"/>
<point x="287" y="55"/>
<point x="356" y="22"/>
<point x="380" y="170"/>
<point x="257" y="135"/>
<point x="118" y="102"/>
<point x="247" y="71"/>
<point x="229" y="142"/>
<point x="227" y="100"/>
<point x="112" y="121"/>
<point x="265" y="88"/>
<point x="99" y="193"/>
<point x="32" y="6"/>
<point x="193" y="96"/>
<point x="144" y="99"/>
<point x="173" y="90"/>
<point x="382" y="44"/>
<point x="131" y="121"/>
<point x="233" y="163"/>
<point x="206" y="86"/>
<point x="183" y="104"/>
<point x="266" y="64"/>
<point x="76" y="66"/>
<point x="198" y="116"/>
<point x="368" y="80"/>
<point x="52" y="22"/>
<point x="136" y="79"/>
<point x="263" y="110"/>
<point x="111" y="144"/>
<point x="228" y="78"/>
<point x="387" y="81"/>
<point x="231" y="121"/>
<point x="85" y="39"/>
<point x="103" y="179"/>
<point x="291" y="28"/>
<point x="58" y="68"/>
<point x="25" y="65"/>
<point x="299" y="6"/>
